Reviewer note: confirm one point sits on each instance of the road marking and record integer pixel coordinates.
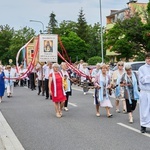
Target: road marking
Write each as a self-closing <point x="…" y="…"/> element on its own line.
<point x="72" y="104"/>
<point x="8" y="137"/>
<point x="133" y="129"/>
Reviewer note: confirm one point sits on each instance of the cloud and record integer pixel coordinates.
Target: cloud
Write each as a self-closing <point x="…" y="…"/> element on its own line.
<point x="17" y="13"/>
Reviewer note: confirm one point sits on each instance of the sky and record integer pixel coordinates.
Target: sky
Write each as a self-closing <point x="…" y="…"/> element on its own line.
<point x="18" y="13"/>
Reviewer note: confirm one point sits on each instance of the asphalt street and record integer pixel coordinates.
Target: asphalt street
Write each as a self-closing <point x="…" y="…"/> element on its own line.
<point x="33" y="120"/>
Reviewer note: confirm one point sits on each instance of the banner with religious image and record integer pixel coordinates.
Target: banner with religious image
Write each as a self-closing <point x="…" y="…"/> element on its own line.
<point x="48" y="48"/>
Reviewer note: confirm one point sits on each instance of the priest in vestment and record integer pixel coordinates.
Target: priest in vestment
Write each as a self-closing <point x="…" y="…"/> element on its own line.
<point x="144" y="97"/>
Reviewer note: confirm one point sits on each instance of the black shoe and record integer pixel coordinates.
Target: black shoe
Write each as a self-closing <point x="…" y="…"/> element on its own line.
<point x="143" y="129"/>
<point x="39" y="93"/>
<point x="109" y="116"/>
<point x="42" y="94"/>
<point x="46" y="98"/>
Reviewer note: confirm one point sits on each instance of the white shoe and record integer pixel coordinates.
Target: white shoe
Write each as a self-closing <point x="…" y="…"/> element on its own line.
<point x="58" y="115"/>
<point x="98" y="114"/>
<point x="84" y="93"/>
<point x="66" y="109"/>
<point x="117" y="110"/>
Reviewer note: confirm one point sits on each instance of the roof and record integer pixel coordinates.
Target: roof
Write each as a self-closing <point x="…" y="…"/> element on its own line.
<point x="117" y="12"/>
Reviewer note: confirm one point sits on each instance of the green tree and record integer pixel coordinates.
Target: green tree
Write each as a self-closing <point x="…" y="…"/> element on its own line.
<point x="20" y="38"/>
<point x="94" y="60"/>
<point x="6" y="34"/>
<point x="146" y="32"/>
<point x="67" y="26"/>
<point x="126" y="38"/>
<point x="75" y="46"/>
<point x="94" y="40"/>
<point x="53" y="24"/>
<point x="82" y="27"/>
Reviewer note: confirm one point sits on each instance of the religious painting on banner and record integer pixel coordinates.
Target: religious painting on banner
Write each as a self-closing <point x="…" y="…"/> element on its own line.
<point x="48" y="48"/>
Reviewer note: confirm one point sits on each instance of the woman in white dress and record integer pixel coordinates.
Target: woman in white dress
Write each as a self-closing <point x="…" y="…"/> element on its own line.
<point x="102" y="83"/>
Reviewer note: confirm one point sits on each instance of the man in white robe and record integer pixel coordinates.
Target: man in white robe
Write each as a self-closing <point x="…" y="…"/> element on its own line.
<point x="144" y="83"/>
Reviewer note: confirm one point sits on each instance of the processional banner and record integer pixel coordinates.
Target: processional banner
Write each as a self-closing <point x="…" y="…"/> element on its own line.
<point x="48" y="48"/>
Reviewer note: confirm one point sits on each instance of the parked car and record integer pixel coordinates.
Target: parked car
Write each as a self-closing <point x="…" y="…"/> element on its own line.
<point x="135" y="65"/>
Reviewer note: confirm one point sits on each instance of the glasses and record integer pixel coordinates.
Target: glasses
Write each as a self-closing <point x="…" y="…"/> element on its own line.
<point x="120" y="65"/>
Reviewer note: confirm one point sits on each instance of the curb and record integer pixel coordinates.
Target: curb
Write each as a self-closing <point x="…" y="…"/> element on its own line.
<point x="8" y="139"/>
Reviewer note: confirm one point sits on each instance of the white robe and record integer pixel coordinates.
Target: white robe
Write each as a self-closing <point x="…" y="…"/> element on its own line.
<point x="144" y="101"/>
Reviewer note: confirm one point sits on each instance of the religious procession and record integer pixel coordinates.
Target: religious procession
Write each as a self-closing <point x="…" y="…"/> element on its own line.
<point x="54" y="81"/>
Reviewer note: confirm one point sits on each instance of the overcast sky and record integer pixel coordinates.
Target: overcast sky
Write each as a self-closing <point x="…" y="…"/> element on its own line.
<point x="17" y="13"/>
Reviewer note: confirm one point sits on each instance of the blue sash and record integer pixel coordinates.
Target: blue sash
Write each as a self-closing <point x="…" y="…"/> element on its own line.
<point x="103" y="82"/>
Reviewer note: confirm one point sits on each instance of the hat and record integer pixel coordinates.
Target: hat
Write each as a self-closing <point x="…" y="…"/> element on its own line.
<point x="128" y="67"/>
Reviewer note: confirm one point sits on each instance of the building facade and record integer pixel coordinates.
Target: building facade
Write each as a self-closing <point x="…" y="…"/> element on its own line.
<point x="132" y="8"/>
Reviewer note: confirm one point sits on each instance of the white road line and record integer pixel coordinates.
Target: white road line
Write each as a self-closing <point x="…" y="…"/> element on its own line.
<point x="72" y="104"/>
<point x="133" y="129"/>
<point x="8" y="137"/>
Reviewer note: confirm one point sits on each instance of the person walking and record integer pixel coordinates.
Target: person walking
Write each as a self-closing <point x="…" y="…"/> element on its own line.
<point x="56" y="89"/>
<point x="102" y="84"/>
<point x="32" y="78"/>
<point x="119" y="91"/>
<point x="95" y="72"/>
<point x="84" y="79"/>
<point x="144" y="100"/>
<point x="9" y="74"/>
<point x="67" y="86"/>
<point x="129" y="81"/>
<point x="39" y="70"/>
<point x="2" y="83"/>
<point x="47" y="69"/>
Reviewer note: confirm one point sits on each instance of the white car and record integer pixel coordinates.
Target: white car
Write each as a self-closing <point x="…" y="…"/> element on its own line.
<point x="135" y="65"/>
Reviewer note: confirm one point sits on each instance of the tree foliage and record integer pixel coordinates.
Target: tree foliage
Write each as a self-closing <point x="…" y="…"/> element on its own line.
<point x="6" y="34"/>
<point x="94" y="60"/>
<point x="52" y="25"/>
<point x="67" y="26"/>
<point x="12" y="41"/>
<point x="126" y="38"/>
<point x="75" y="46"/>
<point x="82" y="26"/>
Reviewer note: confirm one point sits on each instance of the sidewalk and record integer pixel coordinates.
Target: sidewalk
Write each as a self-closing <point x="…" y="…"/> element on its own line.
<point x="8" y="140"/>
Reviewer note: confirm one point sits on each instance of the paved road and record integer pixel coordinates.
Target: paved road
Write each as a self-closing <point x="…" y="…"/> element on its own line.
<point x="32" y="118"/>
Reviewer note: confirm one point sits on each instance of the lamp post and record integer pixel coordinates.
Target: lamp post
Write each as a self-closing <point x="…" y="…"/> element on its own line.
<point x="39" y="22"/>
<point x="102" y="49"/>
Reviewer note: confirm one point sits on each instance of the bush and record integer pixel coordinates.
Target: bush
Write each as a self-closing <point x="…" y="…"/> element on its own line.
<point x="94" y="60"/>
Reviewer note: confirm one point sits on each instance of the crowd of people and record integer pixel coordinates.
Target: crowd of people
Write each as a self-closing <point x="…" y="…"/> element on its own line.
<point x="54" y="81"/>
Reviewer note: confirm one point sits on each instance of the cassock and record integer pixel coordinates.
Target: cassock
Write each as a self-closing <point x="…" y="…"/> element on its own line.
<point x="144" y="97"/>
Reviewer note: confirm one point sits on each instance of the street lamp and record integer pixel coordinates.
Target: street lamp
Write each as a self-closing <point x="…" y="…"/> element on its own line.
<point x="39" y="22"/>
<point x="102" y="49"/>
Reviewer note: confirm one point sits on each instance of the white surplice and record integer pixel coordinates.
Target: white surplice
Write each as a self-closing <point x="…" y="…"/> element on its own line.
<point x="144" y="83"/>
